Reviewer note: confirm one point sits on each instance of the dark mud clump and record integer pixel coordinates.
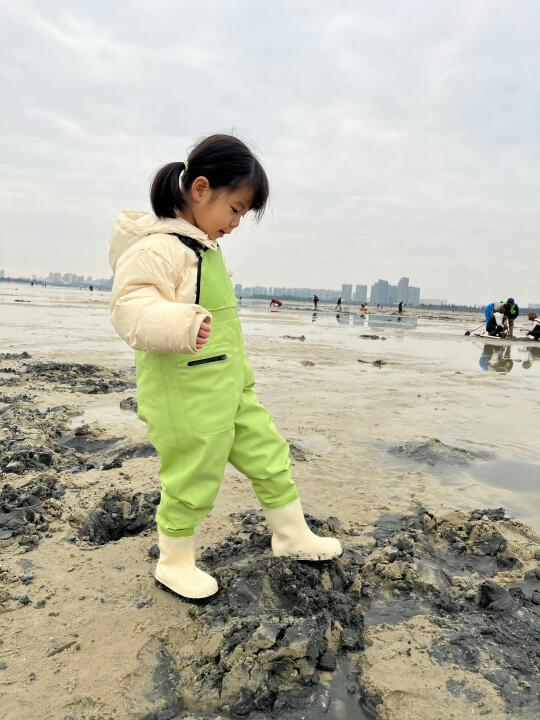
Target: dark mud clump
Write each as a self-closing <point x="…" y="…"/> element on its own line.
<point x="445" y="566"/>
<point x="284" y="639"/>
<point x="26" y="512"/>
<point x="119" y="515"/>
<point x="82" y="378"/>
<point x="294" y="337"/>
<point x="432" y="452"/>
<point x="129" y="403"/>
<point x="372" y="337"/>
<point x="29" y="438"/>
<point x="277" y="639"/>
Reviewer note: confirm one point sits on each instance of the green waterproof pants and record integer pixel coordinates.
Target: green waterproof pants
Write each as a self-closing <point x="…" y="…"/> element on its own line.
<point x="201" y="411"/>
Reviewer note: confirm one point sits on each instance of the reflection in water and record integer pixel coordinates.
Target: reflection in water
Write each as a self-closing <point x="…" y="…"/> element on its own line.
<point x="392" y="322"/>
<point x="533" y="355"/>
<point x="314" y="317"/>
<point x="496" y="358"/>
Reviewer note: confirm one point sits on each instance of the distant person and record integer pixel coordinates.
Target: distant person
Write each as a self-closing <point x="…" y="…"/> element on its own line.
<point x="338" y="304"/>
<point x="496" y="326"/>
<point x="315" y="301"/>
<point x="174" y="303"/>
<point x="534" y="331"/>
<point x="91" y="288"/>
<point x="511" y="313"/>
<point x="274" y="302"/>
<point x="400" y="307"/>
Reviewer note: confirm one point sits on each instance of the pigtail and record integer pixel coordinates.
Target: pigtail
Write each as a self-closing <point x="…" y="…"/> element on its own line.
<point x="166" y="192"/>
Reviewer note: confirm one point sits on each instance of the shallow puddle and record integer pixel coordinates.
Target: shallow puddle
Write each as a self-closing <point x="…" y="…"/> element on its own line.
<point x="521" y="478"/>
<point x="509" y="474"/>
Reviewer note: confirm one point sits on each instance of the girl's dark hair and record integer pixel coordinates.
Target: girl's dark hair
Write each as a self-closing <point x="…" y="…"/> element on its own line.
<point x="224" y="160"/>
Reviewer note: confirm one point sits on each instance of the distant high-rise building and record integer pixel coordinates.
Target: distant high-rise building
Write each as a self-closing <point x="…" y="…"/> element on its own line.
<point x="392" y="296"/>
<point x="379" y="293"/>
<point x="402" y="290"/>
<point x="346" y="292"/>
<point x="360" y="293"/>
<point x="238" y="289"/>
<point x="2" y="274"/>
<point x="413" y="296"/>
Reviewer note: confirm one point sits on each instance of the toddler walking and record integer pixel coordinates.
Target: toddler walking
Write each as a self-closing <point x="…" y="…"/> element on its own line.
<point x="173" y="302"/>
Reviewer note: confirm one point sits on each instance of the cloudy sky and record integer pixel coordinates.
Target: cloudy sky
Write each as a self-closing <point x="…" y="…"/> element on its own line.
<point x="400" y="138"/>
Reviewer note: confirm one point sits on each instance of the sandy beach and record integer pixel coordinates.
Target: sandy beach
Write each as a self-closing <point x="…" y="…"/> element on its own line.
<point x="408" y="441"/>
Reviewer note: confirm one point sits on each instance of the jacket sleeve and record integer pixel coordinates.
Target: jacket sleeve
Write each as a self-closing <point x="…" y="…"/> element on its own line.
<point x="144" y="311"/>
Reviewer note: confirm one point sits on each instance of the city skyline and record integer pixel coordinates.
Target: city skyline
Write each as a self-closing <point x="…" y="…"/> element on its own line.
<point x="382" y="292"/>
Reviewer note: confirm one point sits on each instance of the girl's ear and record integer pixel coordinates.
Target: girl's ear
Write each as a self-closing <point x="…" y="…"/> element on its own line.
<point x="199" y="189"/>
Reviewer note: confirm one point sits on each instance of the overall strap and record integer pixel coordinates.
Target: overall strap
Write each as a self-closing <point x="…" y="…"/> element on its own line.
<point x="198" y="250"/>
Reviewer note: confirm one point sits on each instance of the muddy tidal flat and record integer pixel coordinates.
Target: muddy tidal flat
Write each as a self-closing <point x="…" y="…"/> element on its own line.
<point x="414" y="445"/>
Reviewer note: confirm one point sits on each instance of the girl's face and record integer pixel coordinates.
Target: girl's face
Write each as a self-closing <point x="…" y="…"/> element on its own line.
<point x="217" y="212"/>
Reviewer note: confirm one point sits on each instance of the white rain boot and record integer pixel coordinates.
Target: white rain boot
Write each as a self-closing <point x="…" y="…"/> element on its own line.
<point x="176" y="570"/>
<point x="293" y="538"/>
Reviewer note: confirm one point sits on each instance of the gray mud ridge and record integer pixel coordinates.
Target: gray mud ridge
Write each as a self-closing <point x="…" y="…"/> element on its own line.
<point x="119" y="515"/>
<point x="15" y="356"/>
<point x="284" y="639"/>
<point x="433" y="451"/>
<point x="26" y="512"/>
<point x="83" y="378"/>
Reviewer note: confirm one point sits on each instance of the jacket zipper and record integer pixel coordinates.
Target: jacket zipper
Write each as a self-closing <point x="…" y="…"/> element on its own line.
<point x="202" y="361"/>
<point x="197" y="249"/>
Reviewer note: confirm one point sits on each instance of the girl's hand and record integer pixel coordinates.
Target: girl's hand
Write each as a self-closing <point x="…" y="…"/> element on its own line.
<point x="204" y="332"/>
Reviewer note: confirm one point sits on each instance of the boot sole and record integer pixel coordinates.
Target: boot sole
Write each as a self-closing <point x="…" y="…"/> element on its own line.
<point x="194" y="601"/>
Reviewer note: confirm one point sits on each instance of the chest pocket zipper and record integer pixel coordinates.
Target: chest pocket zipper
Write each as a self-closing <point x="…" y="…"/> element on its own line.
<point x="203" y="361"/>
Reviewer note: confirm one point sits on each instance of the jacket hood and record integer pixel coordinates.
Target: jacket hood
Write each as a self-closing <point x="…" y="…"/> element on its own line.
<point x="131" y="226"/>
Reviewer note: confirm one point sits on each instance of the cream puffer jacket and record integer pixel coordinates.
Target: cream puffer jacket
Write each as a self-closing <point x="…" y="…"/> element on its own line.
<point x="155" y="282"/>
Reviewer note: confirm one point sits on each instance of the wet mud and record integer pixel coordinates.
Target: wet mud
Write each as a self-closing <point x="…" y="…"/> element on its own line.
<point x="284" y="639"/>
<point x="433" y="452"/>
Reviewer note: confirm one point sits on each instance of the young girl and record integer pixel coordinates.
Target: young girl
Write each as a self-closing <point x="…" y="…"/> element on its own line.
<point x="174" y="303"/>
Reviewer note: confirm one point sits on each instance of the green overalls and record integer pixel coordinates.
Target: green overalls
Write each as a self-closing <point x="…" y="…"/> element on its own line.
<point x="201" y="411"/>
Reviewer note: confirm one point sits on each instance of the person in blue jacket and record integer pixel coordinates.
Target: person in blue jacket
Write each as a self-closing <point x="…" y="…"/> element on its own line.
<point x="509" y="308"/>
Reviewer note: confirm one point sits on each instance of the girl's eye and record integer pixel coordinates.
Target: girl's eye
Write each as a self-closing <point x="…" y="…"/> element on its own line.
<point x="234" y="210"/>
